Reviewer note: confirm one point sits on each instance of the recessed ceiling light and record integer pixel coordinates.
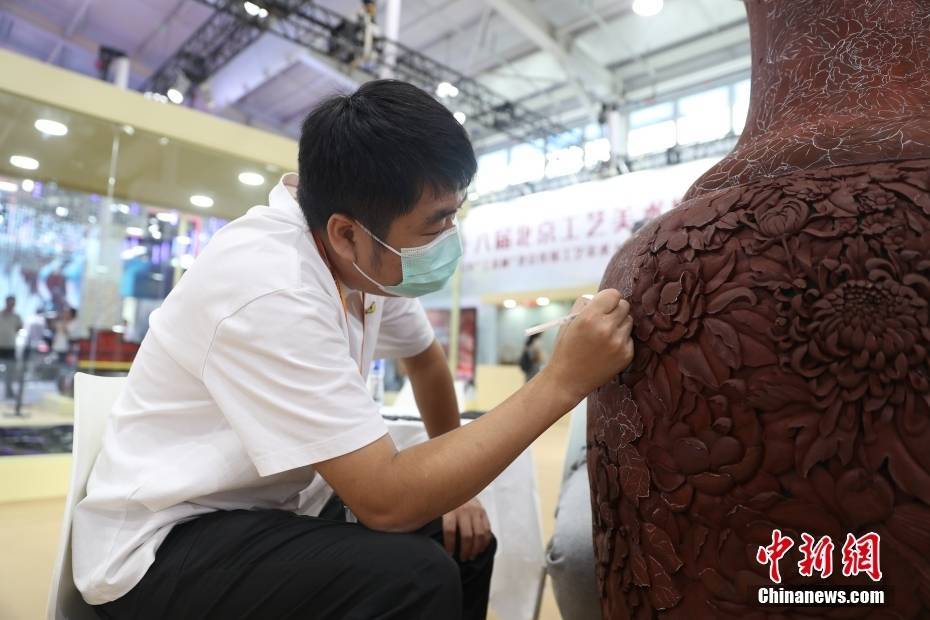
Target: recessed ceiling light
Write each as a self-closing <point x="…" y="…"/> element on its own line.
<point x="175" y="96"/>
<point x="62" y="211"/>
<point x="510" y="303"/>
<point x="28" y="185"/>
<point x="251" y="178"/>
<point x="460" y="117"/>
<point x="542" y="301"/>
<point x="204" y="202"/>
<point x="647" y="8"/>
<point x="50" y="127"/>
<point x="26" y="163"/>
<point x="169" y="217"/>
<point x="8" y="186"/>
<point x="135" y="231"/>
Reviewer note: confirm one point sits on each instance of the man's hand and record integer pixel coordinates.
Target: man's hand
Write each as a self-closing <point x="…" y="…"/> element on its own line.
<point x="594" y="347"/>
<point x="471" y="522"/>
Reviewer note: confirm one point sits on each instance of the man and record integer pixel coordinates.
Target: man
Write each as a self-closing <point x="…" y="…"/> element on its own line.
<point x="245" y="423"/>
<point x="10" y="324"/>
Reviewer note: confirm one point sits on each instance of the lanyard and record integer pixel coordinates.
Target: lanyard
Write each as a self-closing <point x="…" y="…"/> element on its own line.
<point x="345" y="308"/>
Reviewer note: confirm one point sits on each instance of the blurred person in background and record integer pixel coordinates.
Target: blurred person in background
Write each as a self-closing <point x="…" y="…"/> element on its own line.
<point x="533" y="357"/>
<point x="10" y="324"/>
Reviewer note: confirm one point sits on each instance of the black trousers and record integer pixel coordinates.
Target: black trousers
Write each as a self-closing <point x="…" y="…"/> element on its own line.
<point x="269" y="564"/>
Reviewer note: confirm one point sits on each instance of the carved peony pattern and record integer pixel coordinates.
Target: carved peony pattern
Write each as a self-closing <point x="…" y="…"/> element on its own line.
<point x="781" y="380"/>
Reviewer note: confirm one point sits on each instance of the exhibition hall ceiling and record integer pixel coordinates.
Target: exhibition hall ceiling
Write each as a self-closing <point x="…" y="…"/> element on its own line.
<point x="149" y="168"/>
<point x="560" y="57"/>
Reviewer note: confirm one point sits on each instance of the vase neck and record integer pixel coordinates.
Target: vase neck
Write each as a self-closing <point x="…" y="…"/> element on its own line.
<point x="842" y="59"/>
<point x="834" y="82"/>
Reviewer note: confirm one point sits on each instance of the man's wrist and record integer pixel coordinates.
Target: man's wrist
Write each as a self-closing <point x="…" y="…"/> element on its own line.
<point x="554" y="389"/>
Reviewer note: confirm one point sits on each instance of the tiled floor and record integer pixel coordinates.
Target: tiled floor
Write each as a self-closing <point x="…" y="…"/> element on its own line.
<point x="29" y="536"/>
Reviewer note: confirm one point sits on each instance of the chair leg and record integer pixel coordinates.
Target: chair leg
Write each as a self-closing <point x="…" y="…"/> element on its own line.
<point x="539" y="594"/>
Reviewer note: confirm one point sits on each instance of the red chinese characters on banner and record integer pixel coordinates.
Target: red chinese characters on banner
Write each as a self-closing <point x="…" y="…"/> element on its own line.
<point x="595" y="221"/>
<point x="773" y="553"/>
<point x="816" y="557"/>
<point x="860" y="555"/>
<point x="502" y="239"/>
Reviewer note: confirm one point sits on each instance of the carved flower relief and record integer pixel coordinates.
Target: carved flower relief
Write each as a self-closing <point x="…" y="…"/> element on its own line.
<point x="775" y="221"/>
<point x="704" y="314"/>
<point x="858" y="332"/>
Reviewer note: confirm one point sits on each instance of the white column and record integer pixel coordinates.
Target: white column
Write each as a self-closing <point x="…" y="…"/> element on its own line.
<point x="391" y="32"/>
<point x="120" y="69"/>
<point x="617" y="132"/>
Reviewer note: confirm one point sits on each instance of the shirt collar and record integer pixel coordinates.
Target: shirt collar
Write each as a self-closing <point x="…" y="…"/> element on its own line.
<point x="283" y="198"/>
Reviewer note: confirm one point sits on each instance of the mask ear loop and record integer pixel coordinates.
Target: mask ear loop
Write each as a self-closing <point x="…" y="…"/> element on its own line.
<point x="375" y="237"/>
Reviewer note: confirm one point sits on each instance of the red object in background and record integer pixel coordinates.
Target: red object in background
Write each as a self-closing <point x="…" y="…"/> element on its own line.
<point x="468" y="320"/>
<point x="105" y="346"/>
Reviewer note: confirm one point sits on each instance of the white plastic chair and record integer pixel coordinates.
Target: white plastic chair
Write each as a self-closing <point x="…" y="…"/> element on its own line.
<point x="93" y="399"/>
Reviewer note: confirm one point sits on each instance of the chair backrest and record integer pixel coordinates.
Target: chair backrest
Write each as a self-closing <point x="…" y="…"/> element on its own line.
<point x="93" y="400"/>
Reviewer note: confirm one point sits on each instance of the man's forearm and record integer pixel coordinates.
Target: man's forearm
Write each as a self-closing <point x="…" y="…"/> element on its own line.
<point x="433" y="390"/>
<point x="444" y="473"/>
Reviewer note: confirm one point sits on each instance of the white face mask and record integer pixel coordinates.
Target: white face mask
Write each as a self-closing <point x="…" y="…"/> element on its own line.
<point x="426" y="268"/>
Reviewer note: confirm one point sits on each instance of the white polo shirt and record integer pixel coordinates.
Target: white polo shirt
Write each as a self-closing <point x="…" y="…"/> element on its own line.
<point x="249" y="374"/>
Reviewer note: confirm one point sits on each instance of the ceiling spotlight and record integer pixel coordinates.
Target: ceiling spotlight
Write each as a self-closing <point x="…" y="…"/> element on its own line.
<point x="510" y="304"/>
<point x="204" y="202"/>
<point x="28" y="185"/>
<point x="647" y="8"/>
<point x="542" y="301"/>
<point x="51" y="128"/>
<point x="62" y="211"/>
<point x="8" y="186"/>
<point x="169" y="217"/>
<point x="134" y="231"/>
<point x="254" y="10"/>
<point x="251" y="178"/>
<point x="446" y="89"/>
<point x="175" y="96"/>
<point x="460" y="117"/>
<point x="129" y="129"/>
<point x="26" y="163"/>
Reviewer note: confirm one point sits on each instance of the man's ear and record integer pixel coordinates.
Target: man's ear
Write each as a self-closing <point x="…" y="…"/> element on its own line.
<point x="341" y="232"/>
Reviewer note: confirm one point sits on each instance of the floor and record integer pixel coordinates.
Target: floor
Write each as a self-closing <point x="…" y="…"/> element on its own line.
<point x="29" y="536"/>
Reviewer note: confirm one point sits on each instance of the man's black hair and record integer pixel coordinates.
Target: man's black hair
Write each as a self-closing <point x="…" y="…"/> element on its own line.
<point x="370" y="155"/>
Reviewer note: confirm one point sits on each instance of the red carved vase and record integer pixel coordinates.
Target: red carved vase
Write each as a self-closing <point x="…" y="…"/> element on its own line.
<point x="781" y="379"/>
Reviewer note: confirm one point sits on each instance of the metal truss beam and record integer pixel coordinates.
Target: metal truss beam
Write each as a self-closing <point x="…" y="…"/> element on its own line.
<point x="230" y="30"/>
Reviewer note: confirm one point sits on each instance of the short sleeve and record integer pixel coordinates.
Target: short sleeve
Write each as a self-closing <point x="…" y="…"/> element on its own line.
<point x="280" y="371"/>
<point x="405" y="331"/>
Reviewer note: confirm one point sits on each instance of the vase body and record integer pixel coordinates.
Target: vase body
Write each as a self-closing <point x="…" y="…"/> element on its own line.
<point x="781" y="377"/>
